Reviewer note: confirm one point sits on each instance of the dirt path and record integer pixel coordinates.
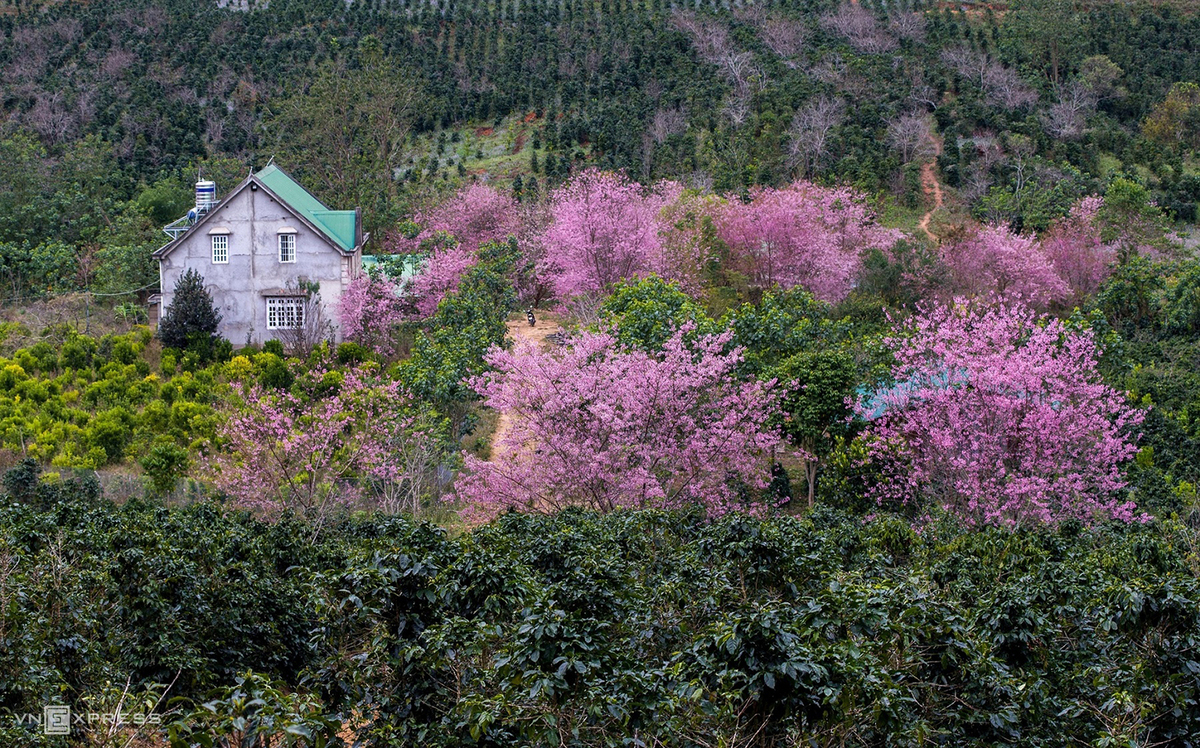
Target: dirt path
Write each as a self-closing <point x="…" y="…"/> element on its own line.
<point x="519" y="329"/>
<point x="931" y="187"/>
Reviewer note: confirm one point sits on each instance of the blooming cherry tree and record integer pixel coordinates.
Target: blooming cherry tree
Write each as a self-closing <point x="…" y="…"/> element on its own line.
<point x="310" y="448"/>
<point x="603" y="427"/>
<point x="802" y="235"/>
<point x="1000" y="417"/>
<point x="439" y="276"/>
<point x="1076" y="250"/>
<point x="475" y="215"/>
<point x="369" y="311"/>
<point x="996" y="262"/>
<point x="604" y="228"/>
<point x="452" y="233"/>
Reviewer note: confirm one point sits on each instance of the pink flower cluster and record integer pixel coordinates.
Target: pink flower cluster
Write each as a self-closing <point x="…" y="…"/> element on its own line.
<point x="369" y="311"/>
<point x="1065" y="265"/>
<point x="474" y="216"/>
<point x="802" y="235"/>
<point x="309" y="448"/>
<point x="1000" y="416"/>
<point x="602" y="427"/>
<point x="604" y="228"/>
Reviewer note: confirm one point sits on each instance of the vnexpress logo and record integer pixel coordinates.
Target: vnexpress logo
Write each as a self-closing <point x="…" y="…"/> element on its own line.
<point x="56" y="719"/>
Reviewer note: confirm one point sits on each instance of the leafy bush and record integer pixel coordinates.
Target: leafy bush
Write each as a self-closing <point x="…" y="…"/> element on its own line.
<point x="607" y="629"/>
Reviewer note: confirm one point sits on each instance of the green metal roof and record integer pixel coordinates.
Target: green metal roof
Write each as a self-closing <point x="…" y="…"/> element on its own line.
<point x="338" y="225"/>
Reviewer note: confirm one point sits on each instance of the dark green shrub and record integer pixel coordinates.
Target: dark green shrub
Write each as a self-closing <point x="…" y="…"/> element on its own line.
<point x="190" y="318"/>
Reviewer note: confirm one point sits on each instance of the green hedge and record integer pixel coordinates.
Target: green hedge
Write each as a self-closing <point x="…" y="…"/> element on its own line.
<point x="634" y="628"/>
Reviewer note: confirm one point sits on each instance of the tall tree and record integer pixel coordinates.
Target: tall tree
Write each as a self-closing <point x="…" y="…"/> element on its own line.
<point x="802" y="235"/>
<point x="604" y="427"/>
<point x="343" y="129"/>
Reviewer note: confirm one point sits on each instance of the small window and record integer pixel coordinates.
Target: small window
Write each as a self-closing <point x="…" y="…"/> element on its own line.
<point x="220" y="249"/>
<point x="287" y="247"/>
<point x="285" y="312"/>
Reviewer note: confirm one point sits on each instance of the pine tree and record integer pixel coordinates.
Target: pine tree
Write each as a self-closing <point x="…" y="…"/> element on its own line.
<point x="190" y="315"/>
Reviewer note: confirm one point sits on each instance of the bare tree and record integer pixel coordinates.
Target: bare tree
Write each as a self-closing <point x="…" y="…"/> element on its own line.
<point x="419" y="455"/>
<point x="810" y="132"/>
<point x="311" y="322"/>
<point x="736" y="110"/>
<point x="116" y="62"/>
<point x="710" y="38"/>
<point x="1067" y="118"/>
<point x="667" y="122"/>
<point x="1005" y="88"/>
<point x="922" y="93"/>
<point x="1001" y="86"/>
<point x="908" y="26"/>
<point x="977" y="179"/>
<point x="912" y="135"/>
<point x="743" y="73"/>
<point x="654" y="89"/>
<point x="51" y="116"/>
<point x="967" y="62"/>
<point x="783" y="36"/>
<point x="975" y="183"/>
<point x="859" y="27"/>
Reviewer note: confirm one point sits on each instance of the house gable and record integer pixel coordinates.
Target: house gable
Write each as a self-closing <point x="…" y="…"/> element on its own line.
<point x="340" y="229"/>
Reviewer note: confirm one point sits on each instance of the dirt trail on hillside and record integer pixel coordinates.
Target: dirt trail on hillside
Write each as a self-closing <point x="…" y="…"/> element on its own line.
<point x="519" y="329"/>
<point x="931" y="187"/>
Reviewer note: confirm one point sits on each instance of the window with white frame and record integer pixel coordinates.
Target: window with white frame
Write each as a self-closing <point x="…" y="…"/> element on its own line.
<point x="285" y="312"/>
<point x="220" y="249"/>
<point x="287" y="247"/>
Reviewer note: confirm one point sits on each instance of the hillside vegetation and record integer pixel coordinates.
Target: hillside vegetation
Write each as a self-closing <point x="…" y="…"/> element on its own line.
<point x="797" y="373"/>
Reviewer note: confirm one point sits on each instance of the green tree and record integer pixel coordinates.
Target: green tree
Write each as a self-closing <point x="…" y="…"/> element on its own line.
<point x="647" y="312"/>
<point x="465" y="326"/>
<point x="344" y="128"/>
<point x="1176" y="119"/>
<point x="819" y="384"/>
<point x="190" y="318"/>
<point x="1048" y="33"/>
<point x="164" y="201"/>
<point x="1130" y="218"/>
<point x="1182" y="309"/>
<point x="165" y="464"/>
<point x="1131" y="297"/>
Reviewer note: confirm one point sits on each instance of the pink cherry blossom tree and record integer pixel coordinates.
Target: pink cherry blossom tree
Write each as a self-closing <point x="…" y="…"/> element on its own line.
<point x="604" y="228"/>
<point x="369" y="311"/>
<point x="475" y="215"/>
<point x="1076" y="250"/>
<point x="996" y="262"/>
<point x="603" y="427"/>
<point x="802" y="235"/>
<point x="439" y="276"/>
<point x="452" y="233"/>
<point x="1000" y="417"/>
<point x="313" y="447"/>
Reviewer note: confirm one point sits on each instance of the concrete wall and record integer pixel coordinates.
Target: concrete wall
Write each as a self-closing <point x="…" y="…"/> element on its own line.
<point x="239" y="288"/>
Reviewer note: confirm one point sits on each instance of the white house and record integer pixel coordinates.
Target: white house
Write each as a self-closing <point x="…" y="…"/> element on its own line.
<point x="258" y="249"/>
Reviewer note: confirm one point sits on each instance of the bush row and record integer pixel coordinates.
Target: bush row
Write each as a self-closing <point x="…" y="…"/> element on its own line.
<point x="640" y="628"/>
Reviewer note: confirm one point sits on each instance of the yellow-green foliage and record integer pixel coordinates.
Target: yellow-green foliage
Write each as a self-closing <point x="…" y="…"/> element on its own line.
<point x="93" y="402"/>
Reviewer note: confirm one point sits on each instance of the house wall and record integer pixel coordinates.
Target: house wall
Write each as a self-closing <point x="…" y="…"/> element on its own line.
<point x="240" y="287"/>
